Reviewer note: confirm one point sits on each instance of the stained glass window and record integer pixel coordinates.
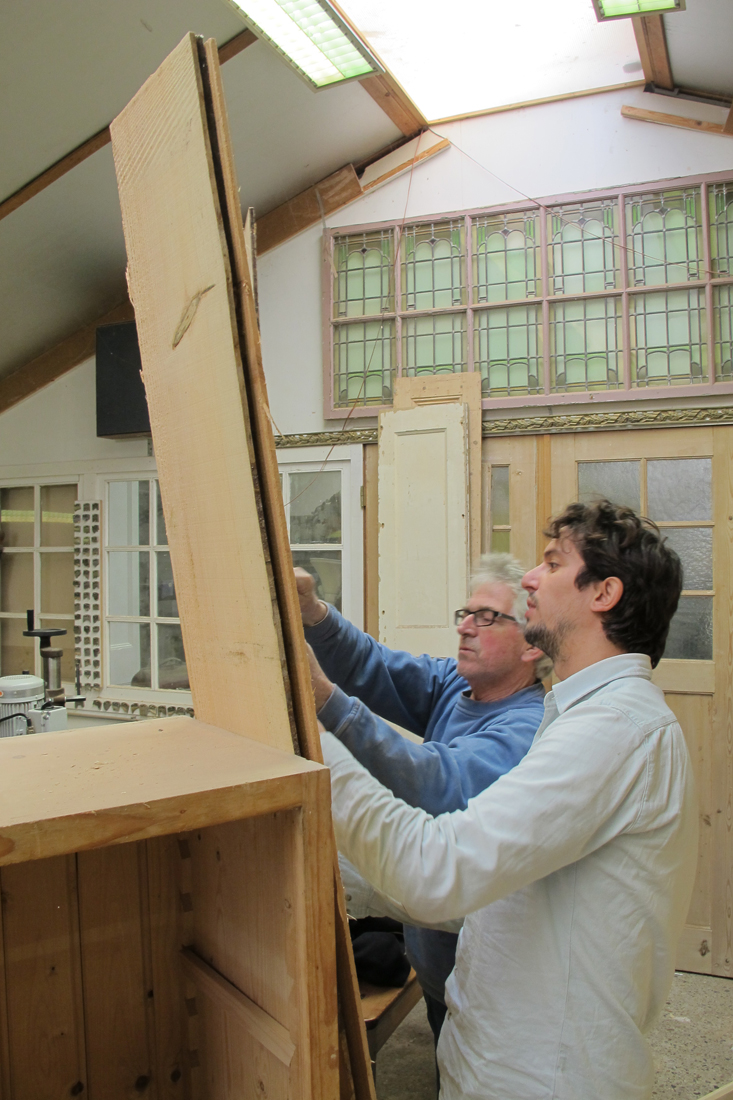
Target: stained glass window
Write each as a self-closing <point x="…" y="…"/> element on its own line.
<point x="721" y="227"/>
<point x="363" y="283"/>
<point x="434" y="345"/>
<point x="583" y="248"/>
<point x="723" y="331"/>
<point x="508" y="350"/>
<point x="668" y="346"/>
<point x="364" y="363"/>
<point x="664" y="237"/>
<point x="506" y="257"/>
<point x="433" y="266"/>
<point x="585" y="338"/>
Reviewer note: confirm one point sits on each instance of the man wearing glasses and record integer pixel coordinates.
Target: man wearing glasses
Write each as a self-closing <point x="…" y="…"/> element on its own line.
<point x="477" y="715"/>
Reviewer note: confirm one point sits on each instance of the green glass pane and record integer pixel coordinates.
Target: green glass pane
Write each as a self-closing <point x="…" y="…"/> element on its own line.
<point x="500" y="542"/>
<point x="57" y="515"/>
<point x="500" y="496"/>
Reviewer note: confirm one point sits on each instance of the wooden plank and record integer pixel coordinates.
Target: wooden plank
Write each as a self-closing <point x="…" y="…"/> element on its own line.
<point x="385" y="1009"/>
<point x="119" y="1059"/>
<point x="113" y="784"/>
<point x="724" y="1093"/>
<point x="307" y="208"/>
<point x="57" y="361"/>
<point x="43" y="980"/>
<point x="87" y="148"/>
<point x="181" y="286"/>
<point x="403" y="159"/>
<point x="287" y="607"/>
<point x="697" y="677"/>
<point x="171" y="1069"/>
<point x="728" y="124"/>
<point x="394" y="101"/>
<point x="544" y="491"/>
<point x="641" y="115"/>
<point x="260" y="1025"/>
<point x="652" y="44"/>
<point x="413" y="393"/>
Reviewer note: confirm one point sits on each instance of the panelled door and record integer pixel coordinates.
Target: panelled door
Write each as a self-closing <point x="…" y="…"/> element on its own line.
<point x="683" y="480"/>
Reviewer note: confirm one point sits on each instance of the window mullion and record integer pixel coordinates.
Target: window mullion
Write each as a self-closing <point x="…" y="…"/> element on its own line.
<point x="153" y="596"/>
<point x="469" y="296"/>
<point x="545" y="302"/>
<point x="625" y="314"/>
<point x="707" y="264"/>
<point x="398" y="299"/>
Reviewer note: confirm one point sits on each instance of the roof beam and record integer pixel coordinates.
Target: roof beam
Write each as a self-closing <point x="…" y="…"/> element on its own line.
<point x="58" y="360"/>
<point x="728" y="124"/>
<point x="652" y="43"/>
<point x="230" y="49"/>
<point x="395" y="102"/>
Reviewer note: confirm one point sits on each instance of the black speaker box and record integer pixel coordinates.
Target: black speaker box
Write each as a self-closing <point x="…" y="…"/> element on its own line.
<point x="122" y="409"/>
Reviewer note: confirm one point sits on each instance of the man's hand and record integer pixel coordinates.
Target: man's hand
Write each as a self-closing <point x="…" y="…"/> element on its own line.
<point x="312" y="610"/>
<point x="322" y="686"/>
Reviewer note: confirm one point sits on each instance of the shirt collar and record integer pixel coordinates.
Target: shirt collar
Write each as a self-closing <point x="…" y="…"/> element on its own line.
<point x="590" y="679"/>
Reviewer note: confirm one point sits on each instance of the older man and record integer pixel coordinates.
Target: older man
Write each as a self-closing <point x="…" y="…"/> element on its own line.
<point x="477" y="716"/>
<point x="576" y="867"/>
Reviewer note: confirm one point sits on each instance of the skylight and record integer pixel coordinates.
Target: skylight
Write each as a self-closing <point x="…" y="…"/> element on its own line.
<point x="474" y="55"/>
<point x="622" y="9"/>
<point x="311" y="36"/>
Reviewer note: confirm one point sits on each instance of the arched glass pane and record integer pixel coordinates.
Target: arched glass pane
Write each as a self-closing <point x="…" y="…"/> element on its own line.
<point x="585" y="342"/>
<point x="664" y="237"/>
<point x="583" y="247"/>
<point x="668" y="346"/>
<point x="362" y="277"/>
<point x="720" y="199"/>
<point x="433" y="265"/>
<point x="508" y="350"/>
<point x="506" y="261"/>
<point x="364" y="363"/>
<point x="434" y="345"/>
<point x="723" y="331"/>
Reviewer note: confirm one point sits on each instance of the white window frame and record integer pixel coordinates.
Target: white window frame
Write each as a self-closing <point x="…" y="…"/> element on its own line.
<point x="349" y="460"/>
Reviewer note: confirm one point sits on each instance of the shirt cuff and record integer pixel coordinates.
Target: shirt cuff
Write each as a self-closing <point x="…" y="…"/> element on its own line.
<point x="322" y="631"/>
<point x="336" y="711"/>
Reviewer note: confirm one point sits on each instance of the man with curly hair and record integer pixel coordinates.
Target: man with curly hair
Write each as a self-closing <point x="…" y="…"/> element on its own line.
<point x="574" y="870"/>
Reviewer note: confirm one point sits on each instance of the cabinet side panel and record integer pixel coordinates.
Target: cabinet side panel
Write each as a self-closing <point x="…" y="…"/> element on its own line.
<point x="45" y="1014"/>
<point x="118" y="1056"/>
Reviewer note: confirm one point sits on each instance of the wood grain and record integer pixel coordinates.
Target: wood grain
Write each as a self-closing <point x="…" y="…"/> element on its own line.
<point x="395" y="103"/>
<point x="119" y="1058"/>
<point x="286" y="608"/>
<point x="674" y="120"/>
<point x="308" y="208"/>
<point x="43" y="979"/>
<point x="652" y="43"/>
<point x="113" y="784"/>
<point x="177" y="250"/>
<point x="261" y="1026"/>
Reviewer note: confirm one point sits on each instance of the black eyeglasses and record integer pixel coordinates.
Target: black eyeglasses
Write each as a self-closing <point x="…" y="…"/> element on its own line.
<point x="483" y="616"/>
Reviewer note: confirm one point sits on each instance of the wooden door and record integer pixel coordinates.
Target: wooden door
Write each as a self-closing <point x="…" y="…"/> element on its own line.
<point x="423" y="526"/>
<point x="682" y="479"/>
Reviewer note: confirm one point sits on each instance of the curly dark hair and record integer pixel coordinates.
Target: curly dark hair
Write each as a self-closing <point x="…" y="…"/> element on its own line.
<point x="614" y="542"/>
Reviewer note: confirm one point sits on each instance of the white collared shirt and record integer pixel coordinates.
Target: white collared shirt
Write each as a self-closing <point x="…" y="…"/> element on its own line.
<point x="576" y="868"/>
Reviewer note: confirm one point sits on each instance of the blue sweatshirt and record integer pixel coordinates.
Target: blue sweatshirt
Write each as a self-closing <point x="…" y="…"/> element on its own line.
<point x="466" y="745"/>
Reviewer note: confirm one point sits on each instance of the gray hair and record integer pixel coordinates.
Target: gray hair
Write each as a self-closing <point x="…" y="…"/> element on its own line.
<point x="507" y="570"/>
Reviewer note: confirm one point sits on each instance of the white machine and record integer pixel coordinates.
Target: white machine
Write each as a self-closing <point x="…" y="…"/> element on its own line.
<point x="31" y="704"/>
<point x="19" y="695"/>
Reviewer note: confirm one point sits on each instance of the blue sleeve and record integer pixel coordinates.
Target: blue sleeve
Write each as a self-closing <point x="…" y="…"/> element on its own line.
<point x="436" y="776"/>
<point x="399" y="687"/>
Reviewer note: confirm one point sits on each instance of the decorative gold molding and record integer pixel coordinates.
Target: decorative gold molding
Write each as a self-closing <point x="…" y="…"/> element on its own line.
<point x="607" y="421"/>
<point x="327" y="439"/>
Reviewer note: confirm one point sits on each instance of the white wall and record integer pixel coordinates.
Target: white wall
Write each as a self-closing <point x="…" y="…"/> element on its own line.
<point x="55" y="430"/>
<point x="573" y="145"/>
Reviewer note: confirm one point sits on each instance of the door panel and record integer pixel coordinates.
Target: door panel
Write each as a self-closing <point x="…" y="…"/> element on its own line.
<point x="660" y="472"/>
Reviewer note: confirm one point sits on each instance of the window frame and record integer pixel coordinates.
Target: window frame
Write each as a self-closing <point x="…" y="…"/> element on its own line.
<point x="67" y="641"/>
<point x="623" y="292"/>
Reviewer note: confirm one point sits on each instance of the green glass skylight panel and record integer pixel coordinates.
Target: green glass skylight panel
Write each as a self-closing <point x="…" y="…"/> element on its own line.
<point x="622" y="9"/>
<point x="312" y="37"/>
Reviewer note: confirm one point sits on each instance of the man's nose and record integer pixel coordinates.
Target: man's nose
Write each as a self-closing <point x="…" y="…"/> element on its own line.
<point x="467" y="625"/>
<point x="530" y="579"/>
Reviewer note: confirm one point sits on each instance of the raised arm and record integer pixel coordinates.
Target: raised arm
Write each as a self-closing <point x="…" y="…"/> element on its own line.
<point x="393" y="684"/>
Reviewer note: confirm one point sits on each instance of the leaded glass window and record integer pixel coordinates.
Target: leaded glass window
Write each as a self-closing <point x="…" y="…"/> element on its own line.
<point x="583" y="248"/>
<point x="506" y="257"/>
<point x="667" y="338"/>
<point x="433" y="263"/>
<point x="664" y="237"/>
<point x="629" y="293"/>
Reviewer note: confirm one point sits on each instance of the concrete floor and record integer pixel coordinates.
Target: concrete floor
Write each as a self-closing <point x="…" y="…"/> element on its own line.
<point x="692" y="1044"/>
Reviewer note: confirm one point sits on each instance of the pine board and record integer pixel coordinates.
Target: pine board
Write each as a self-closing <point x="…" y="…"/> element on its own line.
<point x="182" y="289"/>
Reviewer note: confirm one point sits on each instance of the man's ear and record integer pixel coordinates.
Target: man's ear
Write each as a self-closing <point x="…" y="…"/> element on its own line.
<point x="607" y="594"/>
<point x="532" y="653"/>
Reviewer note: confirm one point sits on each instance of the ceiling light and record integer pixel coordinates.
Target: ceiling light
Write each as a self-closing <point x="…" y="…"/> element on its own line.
<point x="622" y="9"/>
<point x="312" y="37"/>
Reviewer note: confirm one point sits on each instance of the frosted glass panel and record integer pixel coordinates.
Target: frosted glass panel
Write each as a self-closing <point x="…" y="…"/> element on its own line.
<point x="129" y="520"/>
<point x="129" y="654"/>
<point x="616" y="481"/>
<point x="167" y="605"/>
<point x="129" y="583"/>
<point x="16" y="516"/>
<point x="691" y="633"/>
<point x="500" y="542"/>
<point x="57" y="515"/>
<point x="57" y="584"/>
<point x="679" y="488"/>
<point x="499" y="496"/>
<point x="315" y="507"/>
<point x="695" y="548"/>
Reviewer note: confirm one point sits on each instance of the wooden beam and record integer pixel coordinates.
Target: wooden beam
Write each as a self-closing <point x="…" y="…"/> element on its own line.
<point x="259" y="1024"/>
<point x="395" y="102"/>
<point x="652" y="43"/>
<point x="307" y="208"/>
<point x="58" y="360"/>
<point x="661" y="119"/>
<point x="70" y="160"/>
